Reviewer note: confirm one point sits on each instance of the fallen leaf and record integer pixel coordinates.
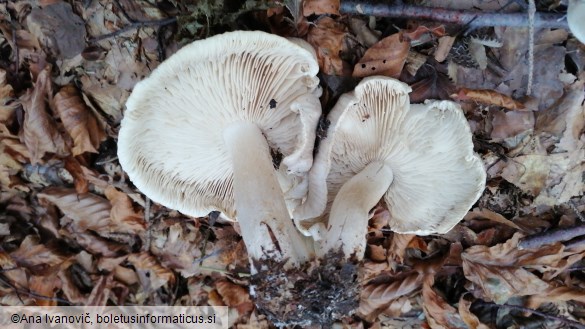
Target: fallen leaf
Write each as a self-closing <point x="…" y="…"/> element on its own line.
<point x="386" y="57"/>
<point x="122" y="214"/>
<point x="86" y="211"/>
<point x="74" y="168"/>
<point x="78" y="120"/>
<point x="439" y="314"/>
<point x="327" y="37"/>
<point x="235" y="296"/>
<point x="444" y="47"/>
<point x="489" y="97"/>
<point x="321" y="7"/>
<point x="510" y="124"/>
<point x="151" y="274"/>
<point x="484" y="213"/>
<point x="39" y="130"/>
<point x="377" y="296"/>
<point x="469" y="318"/>
<point x="398" y="245"/>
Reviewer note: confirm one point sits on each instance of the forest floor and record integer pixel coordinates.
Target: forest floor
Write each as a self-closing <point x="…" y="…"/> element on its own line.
<point x="74" y="230"/>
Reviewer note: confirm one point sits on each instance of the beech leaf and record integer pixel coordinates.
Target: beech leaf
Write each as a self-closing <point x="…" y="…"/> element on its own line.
<point x="78" y="120"/>
<point x="386" y="57"/>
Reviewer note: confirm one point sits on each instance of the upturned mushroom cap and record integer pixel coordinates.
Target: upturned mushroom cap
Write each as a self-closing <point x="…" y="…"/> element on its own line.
<point x="427" y="148"/>
<point x="171" y="142"/>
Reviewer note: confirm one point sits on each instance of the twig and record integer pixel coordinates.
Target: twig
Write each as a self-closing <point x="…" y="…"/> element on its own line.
<point x="551" y="236"/>
<point x="147" y="243"/>
<point x="134" y="26"/>
<point x="562" y="320"/>
<point x="531" y="13"/>
<point x="461" y="17"/>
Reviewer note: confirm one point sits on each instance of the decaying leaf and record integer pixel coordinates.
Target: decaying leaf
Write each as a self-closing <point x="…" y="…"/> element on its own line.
<point x="439" y="313"/>
<point x="78" y="120"/>
<point x="151" y="274"/>
<point x="489" y="97"/>
<point x="511" y="123"/>
<point x="327" y="37"/>
<point x="503" y="271"/>
<point x="39" y="130"/>
<point x="321" y="7"/>
<point x="377" y="296"/>
<point x="386" y="57"/>
<point x="235" y="296"/>
<point x="469" y="318"/>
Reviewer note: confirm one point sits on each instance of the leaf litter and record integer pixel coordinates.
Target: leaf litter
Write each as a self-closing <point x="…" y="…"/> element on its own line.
<point x="74" y="230"/>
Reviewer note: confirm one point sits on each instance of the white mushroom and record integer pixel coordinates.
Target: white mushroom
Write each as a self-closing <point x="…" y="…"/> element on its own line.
<point x="197" y="134"/>
<point x="418" y="157"/>
<point x="576" y="19"/>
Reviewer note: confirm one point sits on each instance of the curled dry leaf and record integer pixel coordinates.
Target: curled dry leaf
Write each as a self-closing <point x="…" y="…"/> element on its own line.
<point x="439" y="314"/>
<point x="46" y="285"/>
<point x="151" y="274"/>
<point x="398" y="245"/>
<point x="33" y="255"/>
<point x="377" y="296"/>
<point x="327" y="37"/>
<point x="469" y="318"/>
<point x="78" y="120"/>
<point x="321" y="7"/>
<point x="123" y="214"/>
<point x="235" y="296"/>
<point x="502" y="271"/>
<point x="75" y="169"/>
<point x="39" y="131"/>
<point x="386" y="57"/>
<point x="489" y="97"/>
<point x="86" y="211"/>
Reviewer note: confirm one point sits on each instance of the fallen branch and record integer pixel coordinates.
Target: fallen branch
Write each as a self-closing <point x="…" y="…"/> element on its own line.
<point x="460" y="17"/>
<point x="135" y="26"/>
<point x="551" y="236"/>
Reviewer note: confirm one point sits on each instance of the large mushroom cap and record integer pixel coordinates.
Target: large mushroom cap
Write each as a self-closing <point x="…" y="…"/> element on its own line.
<point x="171" y="143"/>
<point x="428" y="149"/>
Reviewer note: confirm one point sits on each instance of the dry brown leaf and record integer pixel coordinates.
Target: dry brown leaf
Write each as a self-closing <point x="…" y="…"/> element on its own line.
<point x="74" y="168"/>
<point x="12" y="272"/>
<point x="482" y="213"/>
<point x="7" y="100"/>
<point x="321" y="7"/>
<point x="378" y="296"/>
<point x="178" y="246"/>
<point x="101" y="291"/>
<point x="444" y="47"/>
<point x="435" y="86"/>
<point x="489" y="97"/>
<point x="439" y="314"/>
<point x="123" y="214"/>
<point x="78" y="120"/>
<point x="565" y="120"/>
<point x="87" y="211"/>
<point x="151" y="274"/>
<point x="469" y="318"/>
<point x="327" y="37"/>
<point x="398" y="245"/>
<point x="501" y="272"/>
<point x="235" y="296"/>
<point x="34" y="255"/>
<point x="39" y="131"/>
<point x="557" y="294"/>
<point x="46" y="285"/>
<point x="386" y="57"/>
<point x="510" y="124"/>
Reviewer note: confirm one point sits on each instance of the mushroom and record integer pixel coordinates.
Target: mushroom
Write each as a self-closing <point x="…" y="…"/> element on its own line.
<point x="419" y="158"/>
<point x="575" y="15"/>
<point x="198" y="134"/>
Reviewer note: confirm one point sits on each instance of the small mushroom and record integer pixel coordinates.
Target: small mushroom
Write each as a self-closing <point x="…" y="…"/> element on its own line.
<point x="575" y="18"/>
<point x="197" y="135"/>
<point x="419" y="158"/>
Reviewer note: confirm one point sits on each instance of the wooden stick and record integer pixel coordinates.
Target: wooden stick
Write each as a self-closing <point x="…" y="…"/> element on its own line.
<point x="461" y="17"/>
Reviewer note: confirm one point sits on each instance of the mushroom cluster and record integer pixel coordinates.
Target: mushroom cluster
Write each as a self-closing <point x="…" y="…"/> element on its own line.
<point x="200" y="133"/>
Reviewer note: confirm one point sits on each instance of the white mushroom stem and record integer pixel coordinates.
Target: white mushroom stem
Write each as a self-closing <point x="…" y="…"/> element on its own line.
<point x="348" y="219"/>
<point x="259" y="201"/>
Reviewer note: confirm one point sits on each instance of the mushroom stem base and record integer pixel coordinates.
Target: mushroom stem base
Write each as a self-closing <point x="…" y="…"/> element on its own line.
<point x="259" y="200"/>
<point x="348" y="219"/>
